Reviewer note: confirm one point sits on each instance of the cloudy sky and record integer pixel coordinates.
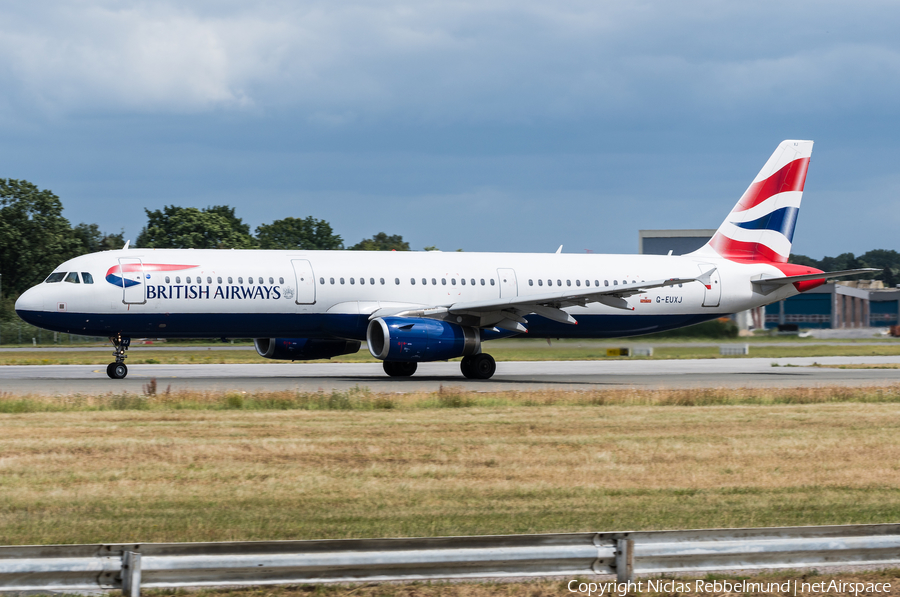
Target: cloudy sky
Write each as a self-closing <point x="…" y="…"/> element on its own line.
<point x="485" y="125"/>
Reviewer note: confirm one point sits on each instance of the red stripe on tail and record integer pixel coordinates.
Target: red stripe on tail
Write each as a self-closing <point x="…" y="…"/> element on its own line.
<point x="737" y="250"/>
<point x="791" y="177"/>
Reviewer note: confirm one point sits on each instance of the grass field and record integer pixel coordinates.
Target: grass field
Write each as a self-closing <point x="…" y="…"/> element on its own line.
<point x="210" y="468"/>
<point x="502" y="350"/>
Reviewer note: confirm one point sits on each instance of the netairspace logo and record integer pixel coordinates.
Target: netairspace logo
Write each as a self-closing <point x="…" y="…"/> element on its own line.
<point x="790" y="587"/>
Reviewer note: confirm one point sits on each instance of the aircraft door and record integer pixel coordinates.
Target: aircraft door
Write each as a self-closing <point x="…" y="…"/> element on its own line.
<point x="508" y="286"/>
<point x="713" y="294"/>
<point x="131" y="277"/>
<point x="306" y="282"/>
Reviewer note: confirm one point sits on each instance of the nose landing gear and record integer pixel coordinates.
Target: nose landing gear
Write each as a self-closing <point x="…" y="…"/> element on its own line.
<point x="118" y="370"/>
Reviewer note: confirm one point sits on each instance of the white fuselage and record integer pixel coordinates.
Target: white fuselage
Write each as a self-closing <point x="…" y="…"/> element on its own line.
<point x="330" y="294"/>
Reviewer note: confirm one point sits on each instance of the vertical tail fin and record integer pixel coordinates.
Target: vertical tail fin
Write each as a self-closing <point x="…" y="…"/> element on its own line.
<point x="761" y="225"/>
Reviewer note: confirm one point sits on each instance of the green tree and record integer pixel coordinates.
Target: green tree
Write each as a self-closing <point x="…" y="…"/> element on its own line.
<point x="297" y="233"/>
<point x="190" y="228"/>
<point x="34" y="235"/>
<point x="92" y="240"/>
<point x="381" y="242"/>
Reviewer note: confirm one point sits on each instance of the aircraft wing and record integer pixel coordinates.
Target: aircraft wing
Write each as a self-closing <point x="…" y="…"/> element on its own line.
<point x="508" y="313"/>
<point x="767" y="285"/>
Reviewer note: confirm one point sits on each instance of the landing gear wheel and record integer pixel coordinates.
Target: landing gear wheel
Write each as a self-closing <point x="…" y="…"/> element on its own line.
<point x="399" y="368"/>
<point x="482" y="366"/>
<point x="117" y="370"/>
<point x="466" y="367"/>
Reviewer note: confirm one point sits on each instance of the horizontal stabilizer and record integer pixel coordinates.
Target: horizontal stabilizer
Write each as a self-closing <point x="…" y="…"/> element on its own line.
<point x="770" y="285"/>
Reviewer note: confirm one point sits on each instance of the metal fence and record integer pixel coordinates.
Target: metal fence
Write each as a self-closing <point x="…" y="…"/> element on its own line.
<point x="129" y="567"/>
<point x="23" y="334"/>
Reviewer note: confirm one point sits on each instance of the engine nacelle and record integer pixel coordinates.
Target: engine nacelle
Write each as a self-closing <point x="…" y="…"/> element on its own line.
<point x="303" y="349"/>
<point x="420" y="339"/>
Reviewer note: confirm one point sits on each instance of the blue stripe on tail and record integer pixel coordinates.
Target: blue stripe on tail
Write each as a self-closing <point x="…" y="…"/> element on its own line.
<point x="781" y="220"/>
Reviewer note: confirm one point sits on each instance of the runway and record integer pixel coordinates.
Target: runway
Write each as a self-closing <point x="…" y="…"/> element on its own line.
<point x="563" y="375"/>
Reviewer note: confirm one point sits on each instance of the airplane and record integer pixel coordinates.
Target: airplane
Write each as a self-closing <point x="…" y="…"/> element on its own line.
<point x="412" y="307"/>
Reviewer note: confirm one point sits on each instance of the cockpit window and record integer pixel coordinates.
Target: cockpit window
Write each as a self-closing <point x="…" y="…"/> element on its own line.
<point x="88" y="279"/>
<point x="73" y="278"/>
<point x="55" y="277"/>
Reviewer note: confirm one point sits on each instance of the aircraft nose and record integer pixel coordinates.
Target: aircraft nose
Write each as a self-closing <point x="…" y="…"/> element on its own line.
<point x="31" y="300"/>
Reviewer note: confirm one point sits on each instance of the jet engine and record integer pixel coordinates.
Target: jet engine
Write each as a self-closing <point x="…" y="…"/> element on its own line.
<point x="419" y="340"/>
<point x="303" y="349"/>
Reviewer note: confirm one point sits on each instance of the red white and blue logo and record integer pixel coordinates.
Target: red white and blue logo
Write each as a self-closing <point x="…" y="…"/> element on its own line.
<point x="761" y="225"/>
<point x="117" y="274"/>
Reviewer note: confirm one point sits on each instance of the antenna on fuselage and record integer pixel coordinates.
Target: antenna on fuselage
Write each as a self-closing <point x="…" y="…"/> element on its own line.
<point x="559" y="250"/>
<point x="127" y="242"/>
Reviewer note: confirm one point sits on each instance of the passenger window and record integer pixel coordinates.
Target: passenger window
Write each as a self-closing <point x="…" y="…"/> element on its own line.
<point x="473" y="281"/>
<point x="230" y="279"/>
<point x="444" y="281"/>
<point x="540" y="282"/>
<point x="397" y="281"/>
<point x="577" y="282"/>
<point x="462" y="281"/>
<point x="434" y="282"/>
<point x="168" y="282"/>
<point x="482" y="281"/>
<point x="73" y="278"/>
<point x="424" y="281"/>
<point x="372" y="281"/>
<point x="331" y="280"/>
<point x="178" y="279"/>
<point x="187" y="280"/>
<point x="88" y="279"/>
<point x="382" y="281"/>
<point x="453" y="281"/>
<point x="240" y="280"/>
<point x="559" y="282"/>
<point x="615" y="282"/>
<point x="353" y="280"/>
<point x="209" y="280"/>
<point x="219" y="280"/>
<point x="281" y="280"/>
<point x="412" y="281"/>
<point x="492" y="281"/>
<point x="531" y="282"/>
<point x="624" y="281"/>
<point x="606" y="282"/>
<point x="249" y="280"/>
<point x="321" y="280"/>
<point x="568" y="282"/>
<point x="549" y="282"/>
<point x="260" y="280"/>
<point x="362" y="281"/>
<point x="342" y="280"/>
<point x="272" y="281"/>
<point x="55" y="277"/>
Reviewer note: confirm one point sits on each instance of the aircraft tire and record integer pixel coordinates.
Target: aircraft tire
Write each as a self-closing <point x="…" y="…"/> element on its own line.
<point x="117" y="370"/>
<point x="399" y="368"/>
<point x="482" y="366"/>
<point x="465" y="365"/>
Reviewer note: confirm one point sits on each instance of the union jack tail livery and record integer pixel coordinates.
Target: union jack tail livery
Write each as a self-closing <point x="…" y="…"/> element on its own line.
<point x="760" y="228"/>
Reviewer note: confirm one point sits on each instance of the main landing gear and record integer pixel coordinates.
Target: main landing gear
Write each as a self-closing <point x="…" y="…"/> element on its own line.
<point x="399" y="368"/>
<point x="118" y="370"/>
<point x="478" y="366"/>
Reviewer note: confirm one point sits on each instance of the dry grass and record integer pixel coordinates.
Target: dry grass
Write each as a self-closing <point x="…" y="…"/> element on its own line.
<point x="207" y="475"/>
<point x="544" y="588"/>
<point x="156" y="398"/>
